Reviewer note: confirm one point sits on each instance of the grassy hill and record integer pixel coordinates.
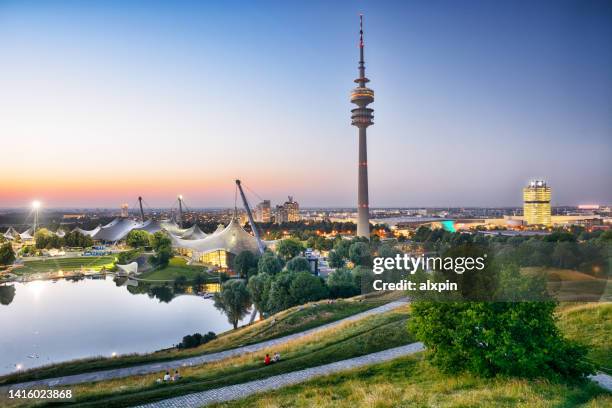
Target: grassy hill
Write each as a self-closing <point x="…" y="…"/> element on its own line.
<point x="413" y="382"/>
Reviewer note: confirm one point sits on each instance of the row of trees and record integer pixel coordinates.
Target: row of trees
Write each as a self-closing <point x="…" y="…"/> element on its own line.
<point x="275" y="282"/>
<point x="159" y="242"/>
<point x="45" y="239"/>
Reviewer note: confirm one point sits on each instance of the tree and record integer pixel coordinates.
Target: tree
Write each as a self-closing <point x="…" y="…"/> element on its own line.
<point x="497" y="338"/>
<point x="289" y="248"/>
<point x="341" y="247"/>
<point x="269" y="263"/>
<point x="7" y="255"/>
<point x="75" y="239"/>
<point x="294" y="288"/>
<point x="342" y="284"/>
<point x="335" y="260"/>
<point x="259" y="288"/>
<point x="245" y="263"/>
<point x="137" y="238"/>
<point x="234" y="300"/>
<point x="162" y="245"/>
<point x="298" y="264"/>
<point x="42" y="237"/>
<point x="158" y="240"/>
<point x="305" y="287"/>
<point x="359" y="253"/>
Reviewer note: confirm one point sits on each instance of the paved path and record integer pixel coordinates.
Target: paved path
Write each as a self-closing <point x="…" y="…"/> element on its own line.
<point x="603" y="380"/>
<point x="206" y="358"/>
<point x="239" y="391"/>
<point x="243" y="390"/>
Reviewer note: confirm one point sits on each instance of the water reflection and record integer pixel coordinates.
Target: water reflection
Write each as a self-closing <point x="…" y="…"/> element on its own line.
<point x="7" y="294"/>
<point x="53" y="321"/>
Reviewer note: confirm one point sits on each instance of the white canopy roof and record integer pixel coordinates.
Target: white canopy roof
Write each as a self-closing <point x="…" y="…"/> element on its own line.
<point x="193" y="233"/>
<point x="232" y="238"/>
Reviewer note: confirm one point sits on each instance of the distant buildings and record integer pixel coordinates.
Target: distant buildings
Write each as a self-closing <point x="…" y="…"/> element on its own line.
<point x="263" y="211"/>
<point x="288" y="212"/>
<point x="536" y="203"/>
<point x="124" y="210"/>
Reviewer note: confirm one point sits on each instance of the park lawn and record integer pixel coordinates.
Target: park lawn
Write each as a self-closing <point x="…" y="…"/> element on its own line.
<point x="287" y="322"/>
<point x="351" y="339"/>
<point x="591" y="325"/>
<point x="65" y="264"/>
<point x="412" y="382"/>
<point x="176" y="267"/>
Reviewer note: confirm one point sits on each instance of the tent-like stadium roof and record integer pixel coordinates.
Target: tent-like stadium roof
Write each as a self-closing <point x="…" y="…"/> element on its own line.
<point x="27" y="234"/>
<point x="11" y="233"/>
<point x="193" y="233"/>
<point x="116" y="230"/>
<point x="89" y="233"/>
<point x="232" y="238"/>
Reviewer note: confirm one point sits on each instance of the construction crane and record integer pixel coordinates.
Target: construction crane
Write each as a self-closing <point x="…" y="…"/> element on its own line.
<point x="260" y="244"/>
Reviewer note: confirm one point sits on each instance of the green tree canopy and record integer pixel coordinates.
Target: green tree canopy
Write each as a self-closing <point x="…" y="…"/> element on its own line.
<point x="259" y="288"/>
<point x="269" y="263"/>
<point x="245" y="264"/>
<point x="335" y="260"/>
<point x="162" y="245"/>
<point x="234" y="300"/>
<point x="342" y="284"/>
<point x="7" y="255"/>
<point x="289" y="248"/>
<point x="138" y="238"/>
<point x="493" y="338"/>
<point x="298" y="264"/>
<point x="359" y="253"/>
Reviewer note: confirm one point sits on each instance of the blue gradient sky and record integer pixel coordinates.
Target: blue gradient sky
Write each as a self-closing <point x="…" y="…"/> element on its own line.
<point x="102" y="102"/>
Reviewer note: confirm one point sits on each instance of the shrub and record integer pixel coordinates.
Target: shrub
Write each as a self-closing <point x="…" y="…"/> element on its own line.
<point x="194" y="340"/>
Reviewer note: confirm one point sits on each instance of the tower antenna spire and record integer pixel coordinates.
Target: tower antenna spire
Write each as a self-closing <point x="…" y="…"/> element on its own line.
<point x="362" y="78"/>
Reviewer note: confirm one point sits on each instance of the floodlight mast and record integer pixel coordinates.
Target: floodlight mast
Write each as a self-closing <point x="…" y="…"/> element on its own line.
<point x="260" y="244"/>
<point x="141" y="210"/>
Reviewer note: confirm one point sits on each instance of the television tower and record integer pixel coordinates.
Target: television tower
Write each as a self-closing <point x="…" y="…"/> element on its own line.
<point x="362" y="117"/>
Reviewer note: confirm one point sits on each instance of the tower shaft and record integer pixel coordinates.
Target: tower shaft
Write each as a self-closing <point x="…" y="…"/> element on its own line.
<point x="363" y="209"/>
<point x="362" y="117"/>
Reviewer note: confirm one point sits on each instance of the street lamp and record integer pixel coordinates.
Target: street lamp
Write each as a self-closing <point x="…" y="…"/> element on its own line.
<point x="36" y="207"/>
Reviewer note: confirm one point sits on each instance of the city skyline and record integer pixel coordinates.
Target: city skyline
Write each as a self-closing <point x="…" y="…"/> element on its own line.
<point x="104" y="103"/>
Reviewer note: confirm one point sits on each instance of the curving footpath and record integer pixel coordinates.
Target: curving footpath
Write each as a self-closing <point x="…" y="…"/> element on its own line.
<point x="202" y="359"/>
<point x="238" y="391"/>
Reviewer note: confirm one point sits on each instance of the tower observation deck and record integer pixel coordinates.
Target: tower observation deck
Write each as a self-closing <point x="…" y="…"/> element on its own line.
<point x="362" y="116"/>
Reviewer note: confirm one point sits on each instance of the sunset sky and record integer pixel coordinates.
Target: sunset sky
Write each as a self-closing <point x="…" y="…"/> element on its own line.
<point x="103" y="101"/>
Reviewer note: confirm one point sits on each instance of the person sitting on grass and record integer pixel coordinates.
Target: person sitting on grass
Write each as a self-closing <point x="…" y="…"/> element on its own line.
<point x="276" y="357"/>
<point x="176" y="376"/>
<point x="167" y="376"/>
<point x="267" y="359"/>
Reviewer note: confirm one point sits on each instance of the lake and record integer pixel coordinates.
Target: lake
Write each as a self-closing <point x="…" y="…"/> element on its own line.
<point x="52" y="321"/>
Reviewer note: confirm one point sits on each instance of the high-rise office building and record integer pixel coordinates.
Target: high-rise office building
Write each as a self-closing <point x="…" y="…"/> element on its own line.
<point x="536" y="203"/>
<point x="293" y="209"/>
<point x="362" y="117"/>
<point x="263" y="211"/>
<point x="288" y="212"/>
